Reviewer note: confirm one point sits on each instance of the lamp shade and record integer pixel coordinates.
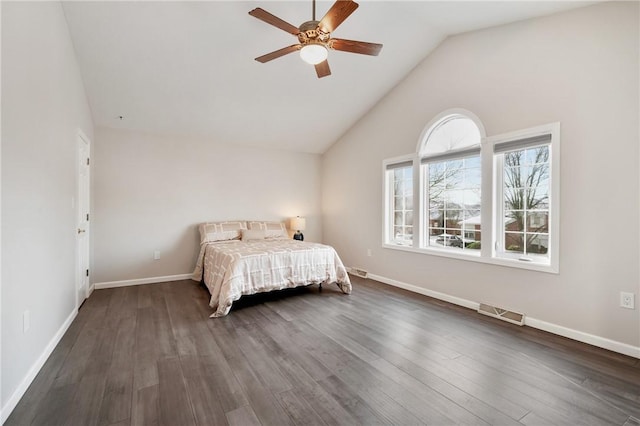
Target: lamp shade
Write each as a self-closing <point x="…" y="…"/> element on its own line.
<point x="298" y="223"/>
<point x="313" y="53"/>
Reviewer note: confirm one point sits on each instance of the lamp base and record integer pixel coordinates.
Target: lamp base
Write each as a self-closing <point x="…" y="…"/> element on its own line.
<point x="298" y="236"/>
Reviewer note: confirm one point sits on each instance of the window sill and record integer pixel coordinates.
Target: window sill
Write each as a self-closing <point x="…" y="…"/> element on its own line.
<point x="476" y="257"/>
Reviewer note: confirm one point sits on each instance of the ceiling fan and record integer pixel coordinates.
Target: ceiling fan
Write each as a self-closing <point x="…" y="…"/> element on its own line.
<point x="314" y="37"/>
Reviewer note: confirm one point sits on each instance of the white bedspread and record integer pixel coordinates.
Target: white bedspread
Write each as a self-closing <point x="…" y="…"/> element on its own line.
<point x="236" y="268"/>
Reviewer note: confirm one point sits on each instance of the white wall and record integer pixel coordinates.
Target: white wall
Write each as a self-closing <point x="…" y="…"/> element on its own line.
<point x="150" y="192"/>
<point x="43" y="106"/>
<point x="580" y="68"/>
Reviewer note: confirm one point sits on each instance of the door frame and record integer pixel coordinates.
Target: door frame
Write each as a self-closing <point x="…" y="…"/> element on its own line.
<point x="81" y="137"/>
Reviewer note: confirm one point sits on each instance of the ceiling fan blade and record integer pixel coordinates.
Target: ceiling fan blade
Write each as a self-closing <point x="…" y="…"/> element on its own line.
<point x="340" y="11"/>
<point x="277" y="53"/>
<point x="265" y="16"/>
<point x="353" y="46"/>
<point x="322" y="69"/>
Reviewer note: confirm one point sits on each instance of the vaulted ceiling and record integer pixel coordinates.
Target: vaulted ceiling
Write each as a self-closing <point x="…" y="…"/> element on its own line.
<point x="188" y="68"/>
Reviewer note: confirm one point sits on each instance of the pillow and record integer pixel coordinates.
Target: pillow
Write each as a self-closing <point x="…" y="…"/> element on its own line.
<point x="221" y="231"/>
<point x="253" y="234"/>
<point x="272" y="229"/>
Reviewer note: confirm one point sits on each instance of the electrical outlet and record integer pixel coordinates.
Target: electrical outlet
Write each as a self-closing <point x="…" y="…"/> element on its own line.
<point x="369" y="252"/>
<point x="156" y="255"/>
<point x="627" y="300"/>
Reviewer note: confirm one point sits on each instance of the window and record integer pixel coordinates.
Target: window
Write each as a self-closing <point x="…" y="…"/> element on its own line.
<point x="452" y="183"/>
<point x="485" y="199"/>
<point x="399" y="178"/>
<point x="524" y="179"/>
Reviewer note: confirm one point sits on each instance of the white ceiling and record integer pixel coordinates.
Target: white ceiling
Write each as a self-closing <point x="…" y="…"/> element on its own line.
<point x="187" y="68"/>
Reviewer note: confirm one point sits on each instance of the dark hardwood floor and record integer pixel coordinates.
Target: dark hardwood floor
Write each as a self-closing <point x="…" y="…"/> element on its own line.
<point x="150" y="355"/>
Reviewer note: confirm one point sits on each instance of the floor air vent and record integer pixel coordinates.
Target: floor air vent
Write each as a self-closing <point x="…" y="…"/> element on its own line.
<point x="359" y="272"/>
<point x="503" y="314"/>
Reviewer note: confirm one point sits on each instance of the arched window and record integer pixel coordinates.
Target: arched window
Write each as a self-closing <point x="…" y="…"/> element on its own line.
<point x="449" y="153"/>
<point x="433" y="201"/>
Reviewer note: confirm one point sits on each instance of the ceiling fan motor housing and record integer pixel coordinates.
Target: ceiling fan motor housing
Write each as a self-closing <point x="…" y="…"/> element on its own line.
<point x="310" y="33"/>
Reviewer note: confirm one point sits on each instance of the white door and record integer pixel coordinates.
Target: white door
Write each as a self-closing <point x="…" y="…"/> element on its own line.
<point x="82" y="229"/>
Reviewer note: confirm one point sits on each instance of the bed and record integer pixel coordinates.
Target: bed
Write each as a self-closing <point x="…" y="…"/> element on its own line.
<point x="242" y="258"/>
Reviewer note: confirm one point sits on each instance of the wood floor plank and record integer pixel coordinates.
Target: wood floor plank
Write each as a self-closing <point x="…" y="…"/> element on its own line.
<point x="300" y="411"/>
<point x="173" y="399"/>
<point x="116" y="405"/>
<point x="56" y="407"/>
<point x="203" y="390"/>
<point x="145" y="410"/>
<point x="357" y="407"/>
<point x="243" y="416"/>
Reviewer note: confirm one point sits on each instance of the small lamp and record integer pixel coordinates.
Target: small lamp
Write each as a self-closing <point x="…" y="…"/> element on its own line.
<point x="298" y="223"/>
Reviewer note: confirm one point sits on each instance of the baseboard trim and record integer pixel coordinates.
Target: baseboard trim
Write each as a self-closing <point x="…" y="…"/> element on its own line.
<point x="35" y="368"/>
<point x="140" y="281"/>
<point x="580" y="336"/>
<point x="425" y="291"/>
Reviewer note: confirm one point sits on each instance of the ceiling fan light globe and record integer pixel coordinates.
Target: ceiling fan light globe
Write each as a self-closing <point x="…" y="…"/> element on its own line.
<point x="314" y="53"/>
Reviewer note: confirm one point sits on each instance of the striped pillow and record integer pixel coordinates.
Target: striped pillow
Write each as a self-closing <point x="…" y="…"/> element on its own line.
<point x="221" y="231"/>
<point x="272" y="229"/>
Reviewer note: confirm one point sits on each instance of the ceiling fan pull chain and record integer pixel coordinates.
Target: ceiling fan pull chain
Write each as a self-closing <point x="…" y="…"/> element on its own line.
<point x="313" y="16"/>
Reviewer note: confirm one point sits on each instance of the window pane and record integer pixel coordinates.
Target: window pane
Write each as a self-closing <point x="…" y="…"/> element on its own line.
<point x="453" y="218"/>
<point x="516" y="177"/>
<point x="408" y="218"/>
<point x="538" y="198"/>
<point x="436" y="231"/>
<point x="471" y="162"/>
<point x="397" y="218"/>
<point x="526" y="200"/>
<point x="436" y="175"/>
<point x="409" y="202"/>
<point x="538" y="221"/>
<point x="514" y="198"/>
<point x="472" y="240"/>
<point x="472" y="178"/>
<point x="453" y="132"/>
<point x="471" y="198"/>
<point x="401" y="182"/>
<point x="514" y="220"/>
<point x="454" y="199"/>
<point x="454" y="165"/>
<point x="408" y="173"/>
<point x="436" y="202"/>
<point x="514" y="242"/>
<point x="538" y="243"/>
<point x="398" y="203"/>
<point x="537" y="155"/>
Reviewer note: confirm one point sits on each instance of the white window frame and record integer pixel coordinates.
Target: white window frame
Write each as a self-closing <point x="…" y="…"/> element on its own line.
<point x="388" y="199"/>
<point x="424" y="207"/>
<point x="550" y="263"/>
<point x="491" y="197"/>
